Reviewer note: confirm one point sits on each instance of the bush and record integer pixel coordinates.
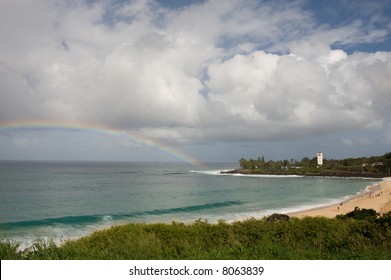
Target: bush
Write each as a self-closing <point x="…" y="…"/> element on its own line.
<point x="361" y="234"/>
<point x="9" y="250"/>
<point x="360" y="214"/>
<point x="385" y="219"/>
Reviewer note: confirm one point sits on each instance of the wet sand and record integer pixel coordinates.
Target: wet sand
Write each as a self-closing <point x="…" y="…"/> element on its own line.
<point x="378" y="198"/>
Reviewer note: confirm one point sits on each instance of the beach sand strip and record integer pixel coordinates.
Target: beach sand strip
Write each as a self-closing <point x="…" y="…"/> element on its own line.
<point x="378" y="198"/>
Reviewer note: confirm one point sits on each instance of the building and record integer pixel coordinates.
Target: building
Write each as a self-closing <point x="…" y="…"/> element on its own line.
<point x="319" y="157"/>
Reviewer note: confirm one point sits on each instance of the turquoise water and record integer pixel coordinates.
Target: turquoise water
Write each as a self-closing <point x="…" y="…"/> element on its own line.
<point x="63" y="200"/>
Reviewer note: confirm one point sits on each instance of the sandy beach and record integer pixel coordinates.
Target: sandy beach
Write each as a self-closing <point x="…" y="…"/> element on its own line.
<point x="378" y="198"/>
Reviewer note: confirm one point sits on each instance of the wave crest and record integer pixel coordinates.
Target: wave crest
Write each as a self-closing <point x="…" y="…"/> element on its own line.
<point x="92" y="219"/>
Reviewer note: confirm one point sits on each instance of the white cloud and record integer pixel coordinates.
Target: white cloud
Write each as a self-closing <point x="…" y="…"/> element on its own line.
<point x="330" y="92"/>
<point x="215" y="71"/>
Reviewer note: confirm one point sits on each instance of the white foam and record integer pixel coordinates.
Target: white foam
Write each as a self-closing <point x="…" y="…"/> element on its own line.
<point x="107" y="218"/>
<point x="223" y="173"/>
<point x="211" y="172"/>
<point x="231" y="217"/>
<point x="57" y="234"/>
<point x="262" y="175"/>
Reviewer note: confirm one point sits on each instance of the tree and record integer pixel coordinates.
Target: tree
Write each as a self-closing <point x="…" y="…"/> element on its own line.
<point x="243" y="163"/>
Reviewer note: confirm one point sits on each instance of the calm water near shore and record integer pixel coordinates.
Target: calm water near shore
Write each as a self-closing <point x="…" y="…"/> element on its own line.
<point x="62" y="200"/>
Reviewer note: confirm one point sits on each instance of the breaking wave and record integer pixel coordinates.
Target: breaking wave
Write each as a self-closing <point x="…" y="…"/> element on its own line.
<point x="94" y="219"/>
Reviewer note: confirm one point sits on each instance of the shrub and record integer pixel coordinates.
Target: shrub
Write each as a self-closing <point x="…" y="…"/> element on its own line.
<point x="9" y="250"/>
<point x="361" y="234"/>
<point x="360" y="214"/>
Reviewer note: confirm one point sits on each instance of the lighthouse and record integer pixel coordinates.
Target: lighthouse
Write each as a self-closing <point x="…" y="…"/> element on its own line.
<point x="319" y="157"/>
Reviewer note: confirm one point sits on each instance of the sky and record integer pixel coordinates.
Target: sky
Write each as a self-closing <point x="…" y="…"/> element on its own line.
<point x="212" y="80"/>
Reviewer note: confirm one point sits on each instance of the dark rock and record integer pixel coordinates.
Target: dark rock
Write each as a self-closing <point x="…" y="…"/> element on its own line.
<point x="278" y="217"/>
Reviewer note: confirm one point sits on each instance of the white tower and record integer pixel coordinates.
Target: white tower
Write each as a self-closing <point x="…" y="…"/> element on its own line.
<point x="319" y="158"/>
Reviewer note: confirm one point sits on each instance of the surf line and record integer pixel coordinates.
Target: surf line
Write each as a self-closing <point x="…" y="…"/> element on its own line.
<point x="25" y="125"/>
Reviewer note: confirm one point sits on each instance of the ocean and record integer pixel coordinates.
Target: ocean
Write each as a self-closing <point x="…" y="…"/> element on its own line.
<point x="52" y="200"/>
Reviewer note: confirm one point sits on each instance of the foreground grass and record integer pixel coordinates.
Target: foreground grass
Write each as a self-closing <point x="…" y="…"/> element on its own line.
<point x="359" y="236"/>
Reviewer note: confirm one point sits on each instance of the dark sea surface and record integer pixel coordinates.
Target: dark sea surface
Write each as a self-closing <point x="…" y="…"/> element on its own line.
<point x="65" y="200"/>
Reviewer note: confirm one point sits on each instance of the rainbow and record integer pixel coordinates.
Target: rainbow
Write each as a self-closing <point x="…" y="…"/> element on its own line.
<point x="175" y="153"/>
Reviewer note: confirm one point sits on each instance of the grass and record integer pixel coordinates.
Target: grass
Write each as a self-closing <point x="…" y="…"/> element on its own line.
<point x="361" y="235"/>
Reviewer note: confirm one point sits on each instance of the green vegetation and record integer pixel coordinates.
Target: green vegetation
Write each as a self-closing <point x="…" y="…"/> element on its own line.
<point x="361" y="234"/>
<point x="376" y="166"/>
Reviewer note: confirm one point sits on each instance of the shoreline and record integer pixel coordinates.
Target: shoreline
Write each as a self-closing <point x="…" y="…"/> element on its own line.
<point x="378" y="198"/>
<point x="324" y="173"/>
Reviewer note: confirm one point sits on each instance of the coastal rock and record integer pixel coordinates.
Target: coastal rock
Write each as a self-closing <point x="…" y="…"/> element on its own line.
<point x="278" y="217"/>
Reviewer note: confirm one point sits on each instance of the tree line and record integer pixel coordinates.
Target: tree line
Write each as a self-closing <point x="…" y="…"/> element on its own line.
<point x="362" y="165"/>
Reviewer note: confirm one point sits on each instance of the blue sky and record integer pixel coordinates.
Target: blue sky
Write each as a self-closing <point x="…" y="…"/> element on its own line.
<point x="209" y="80"/>
<point x="337" y="13"/>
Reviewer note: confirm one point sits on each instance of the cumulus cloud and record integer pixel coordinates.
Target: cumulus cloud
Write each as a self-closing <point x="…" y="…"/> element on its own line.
<point x="215" y="71"/>
<point x="329" y="92"/>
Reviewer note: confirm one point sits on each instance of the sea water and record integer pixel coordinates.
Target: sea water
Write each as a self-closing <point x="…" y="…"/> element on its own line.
<point x="65" y="200"/>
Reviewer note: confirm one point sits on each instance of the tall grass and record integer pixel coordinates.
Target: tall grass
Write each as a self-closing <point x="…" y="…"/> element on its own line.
<point x="346" y="237"/>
